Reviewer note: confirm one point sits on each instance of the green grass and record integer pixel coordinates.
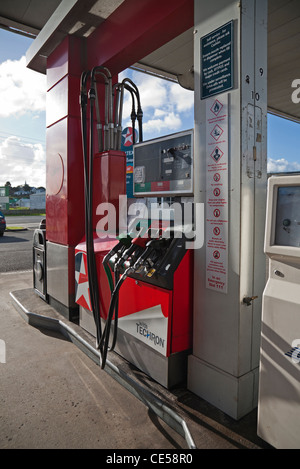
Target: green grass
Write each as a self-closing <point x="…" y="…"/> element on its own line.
<point x="23" y="212"/>
<point x="13" y="228"/>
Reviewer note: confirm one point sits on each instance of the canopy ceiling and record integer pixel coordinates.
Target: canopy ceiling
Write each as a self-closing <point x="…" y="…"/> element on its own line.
<point x="49" y="21"/>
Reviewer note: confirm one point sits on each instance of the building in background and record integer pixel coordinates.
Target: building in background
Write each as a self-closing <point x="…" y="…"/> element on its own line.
<point x="4" y="198"/>
<point x="38" y="200"/>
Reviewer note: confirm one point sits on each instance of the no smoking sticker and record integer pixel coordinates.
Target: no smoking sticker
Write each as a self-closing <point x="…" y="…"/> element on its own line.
<point x="216" y="255"/>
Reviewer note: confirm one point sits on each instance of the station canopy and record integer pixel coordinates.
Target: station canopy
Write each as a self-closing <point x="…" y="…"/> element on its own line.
<point x="49" y="21"/>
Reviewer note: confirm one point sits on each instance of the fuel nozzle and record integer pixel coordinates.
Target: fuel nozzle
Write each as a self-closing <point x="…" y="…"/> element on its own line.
<point x="137" y="246"/>
<point x="150" y="246"/>
<point x="124" y="243"/>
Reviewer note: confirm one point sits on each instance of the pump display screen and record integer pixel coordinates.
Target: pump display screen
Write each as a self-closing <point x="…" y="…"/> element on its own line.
<point x="164" y="166"/>
<point x="287" y="228"/>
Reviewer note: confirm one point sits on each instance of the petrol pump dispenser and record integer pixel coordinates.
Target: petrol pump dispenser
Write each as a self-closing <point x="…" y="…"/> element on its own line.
<point x="279" y="391"/>
<point x="146" y="297"/>
<point x="158" y="323"/>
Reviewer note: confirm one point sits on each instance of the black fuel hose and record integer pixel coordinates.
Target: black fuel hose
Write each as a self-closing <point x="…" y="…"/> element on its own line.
<point x="116" y="312"/>
<point x="139" y="107"/>
<point x="104" y="343"/>
<point x="133" y="114"/>
<point x="94" y="287"/>
<point x="83" y="110"/>
<point x="88" y="191"/>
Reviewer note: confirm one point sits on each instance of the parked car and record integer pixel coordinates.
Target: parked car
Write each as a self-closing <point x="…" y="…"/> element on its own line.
<point x="2" y="224"/>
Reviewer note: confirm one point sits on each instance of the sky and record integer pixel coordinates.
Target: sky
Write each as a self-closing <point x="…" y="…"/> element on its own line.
<point x="22" y="115"/>
<point x="167" y="108"/>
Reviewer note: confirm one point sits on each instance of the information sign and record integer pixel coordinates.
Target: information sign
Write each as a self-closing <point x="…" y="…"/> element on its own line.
<point x="217" y="61"/>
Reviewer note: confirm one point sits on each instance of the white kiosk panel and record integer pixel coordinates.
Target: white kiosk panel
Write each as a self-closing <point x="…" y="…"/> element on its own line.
<point x="279" y="375"/>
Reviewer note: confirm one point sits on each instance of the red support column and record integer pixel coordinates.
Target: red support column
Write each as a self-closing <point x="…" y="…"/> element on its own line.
<point x="64" y="174"/>
<point x="136" y="29"/>
<point x="64" y="193"/>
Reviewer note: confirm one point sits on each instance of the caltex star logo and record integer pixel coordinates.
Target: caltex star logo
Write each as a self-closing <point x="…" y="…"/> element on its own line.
<point x="82" y="291"/>
<point x="128" y="137"/>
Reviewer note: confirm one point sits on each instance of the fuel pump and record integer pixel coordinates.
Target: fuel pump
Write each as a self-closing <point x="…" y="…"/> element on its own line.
<point x="150" y="313"/>
<point x="136" y="287"/>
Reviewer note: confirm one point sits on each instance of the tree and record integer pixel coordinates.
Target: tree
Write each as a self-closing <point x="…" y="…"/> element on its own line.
<point x="8" y="184"/>
<point x="26" y="187"/>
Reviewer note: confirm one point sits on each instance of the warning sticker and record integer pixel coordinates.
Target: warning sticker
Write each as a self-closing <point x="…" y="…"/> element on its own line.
<point x="217" y="154"/>
<point x="216" y="133"/>
<point x="217" y="193"/>
<point x="216" y="108"/>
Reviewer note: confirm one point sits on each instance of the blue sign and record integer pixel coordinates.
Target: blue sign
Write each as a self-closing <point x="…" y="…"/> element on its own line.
<point x="217" y="61"/>
<point x="127" y="147"/>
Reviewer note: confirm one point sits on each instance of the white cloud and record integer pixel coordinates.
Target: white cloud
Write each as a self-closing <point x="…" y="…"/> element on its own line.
<point x="160" y="112"/>
<point x="165" y="105"/>
<point x="282" y="166"/>
<point x="170" y="122"/>
<point x="22" y="162"/>
<point x="183" y="99"/>
<point x="21" y="90"/>
<point x="153" y="91"/>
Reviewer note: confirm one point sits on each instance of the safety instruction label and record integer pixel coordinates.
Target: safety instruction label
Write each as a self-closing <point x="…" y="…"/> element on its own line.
<point x="217" y="61"/>
<point x="217" y="193"/>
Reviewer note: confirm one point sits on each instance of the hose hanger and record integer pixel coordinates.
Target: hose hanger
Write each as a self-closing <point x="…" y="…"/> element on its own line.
<point x="139" y="107"/>
<point x="133" y="114"/>
<point x="83" y="111"/>
<point x="118" y="98"/>
<point x="105" y="142"/>
<point x="110" y="134"/>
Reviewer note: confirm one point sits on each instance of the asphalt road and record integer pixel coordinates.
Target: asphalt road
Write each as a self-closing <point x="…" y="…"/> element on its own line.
<point x="53" y="396"/>
<point x="16" y="246"/>
<point x="24" y="221"/>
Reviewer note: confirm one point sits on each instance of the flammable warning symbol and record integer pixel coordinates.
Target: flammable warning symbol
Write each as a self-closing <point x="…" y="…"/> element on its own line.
<point x="216" y="107"/>
<point x="217" y="154"/>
